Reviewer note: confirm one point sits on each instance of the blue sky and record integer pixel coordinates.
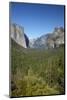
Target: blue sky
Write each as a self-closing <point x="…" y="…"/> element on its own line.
<point x="37" y="19"/>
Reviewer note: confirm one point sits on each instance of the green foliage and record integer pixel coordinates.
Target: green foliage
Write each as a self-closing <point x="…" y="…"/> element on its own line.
<point x="36" y="72"/>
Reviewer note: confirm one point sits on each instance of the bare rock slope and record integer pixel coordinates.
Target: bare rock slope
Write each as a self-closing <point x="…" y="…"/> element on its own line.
<point x="18" y="35"/>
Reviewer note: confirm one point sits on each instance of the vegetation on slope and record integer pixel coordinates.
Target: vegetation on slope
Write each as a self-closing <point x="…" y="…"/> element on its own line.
<point x="36" y="72"/>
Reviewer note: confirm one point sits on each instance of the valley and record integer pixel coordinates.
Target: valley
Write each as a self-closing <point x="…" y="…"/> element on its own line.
<point x="36" y="71"/>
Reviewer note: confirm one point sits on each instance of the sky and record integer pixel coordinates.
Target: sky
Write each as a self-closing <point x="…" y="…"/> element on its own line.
<point x="37" y="19"/>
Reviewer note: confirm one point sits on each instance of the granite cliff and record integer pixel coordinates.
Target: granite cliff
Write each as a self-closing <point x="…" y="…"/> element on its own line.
<point x="18" y="35"/>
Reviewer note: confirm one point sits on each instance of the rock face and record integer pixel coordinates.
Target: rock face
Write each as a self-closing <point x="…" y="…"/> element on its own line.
<point x="51" y="40"/>
<point x="57" y="38"/>
<point x="18" y="35"/>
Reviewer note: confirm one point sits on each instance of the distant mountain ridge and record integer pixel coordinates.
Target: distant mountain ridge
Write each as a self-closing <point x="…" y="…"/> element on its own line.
<point x="50" y="40"/>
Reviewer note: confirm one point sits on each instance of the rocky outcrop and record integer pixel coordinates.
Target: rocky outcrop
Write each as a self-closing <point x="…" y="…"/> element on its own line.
<point x="57" y="38"/>
<point x="18" y="35"/>
<point x="51" y="40"/>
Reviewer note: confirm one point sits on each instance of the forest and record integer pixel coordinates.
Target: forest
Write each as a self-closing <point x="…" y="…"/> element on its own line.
<point x="36" y="72"/>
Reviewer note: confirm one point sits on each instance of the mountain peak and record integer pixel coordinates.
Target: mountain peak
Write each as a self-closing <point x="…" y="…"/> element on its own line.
<point x="50" y="40"/>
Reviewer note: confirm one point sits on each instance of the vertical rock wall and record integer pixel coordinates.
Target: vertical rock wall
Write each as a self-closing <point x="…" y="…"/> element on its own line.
<point x="17" y="34"/>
